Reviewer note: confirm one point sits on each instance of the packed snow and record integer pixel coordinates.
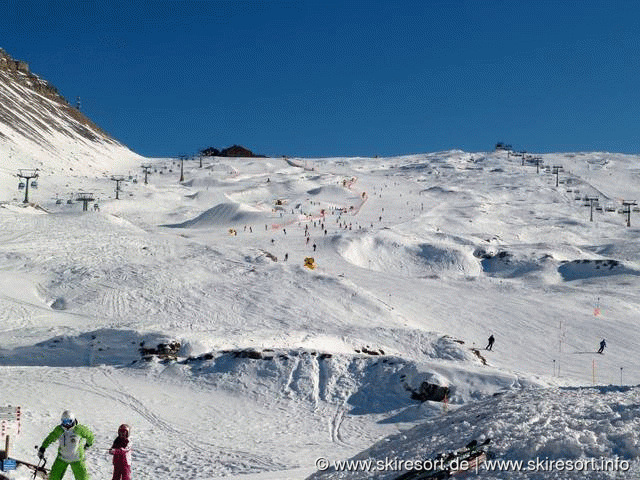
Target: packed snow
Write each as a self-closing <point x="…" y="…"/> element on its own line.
<point x="418" y="260"/>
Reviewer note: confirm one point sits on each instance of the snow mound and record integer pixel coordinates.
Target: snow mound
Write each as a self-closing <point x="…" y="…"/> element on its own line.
<point x="439" y="190"/>
<point x="331" y="191"/>
<point x="22" y="208"/>
<point x="222" y="214"/>
<point x="366" y="383"/>
<point x="505" y="264"/>
<point x="258" y="194"/>
<point x="576" y="424"/>
<point x="99" y="347"/>
<point x="205" y="182"/>
<point x="586" y="269"/>
<point x="386" y="251"/>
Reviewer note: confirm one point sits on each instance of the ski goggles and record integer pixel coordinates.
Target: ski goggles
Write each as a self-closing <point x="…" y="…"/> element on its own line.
<point x="67" y="422"/>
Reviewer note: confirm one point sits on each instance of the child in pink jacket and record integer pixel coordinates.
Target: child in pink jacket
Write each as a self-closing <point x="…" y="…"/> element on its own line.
<point x="121" y="451"/>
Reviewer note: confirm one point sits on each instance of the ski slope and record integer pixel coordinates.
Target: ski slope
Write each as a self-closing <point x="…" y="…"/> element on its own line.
<point x="424" y="257"/>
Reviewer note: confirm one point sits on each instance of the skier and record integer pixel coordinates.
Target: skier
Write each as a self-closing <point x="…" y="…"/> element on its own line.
<point x="73" y="439"/>
<point x="490" y="345"/>
<point x="602" y="345"/>
<point x="121" y="451"/>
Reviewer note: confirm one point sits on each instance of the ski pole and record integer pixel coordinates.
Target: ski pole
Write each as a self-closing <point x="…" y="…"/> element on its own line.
<point x="39" y="468"/>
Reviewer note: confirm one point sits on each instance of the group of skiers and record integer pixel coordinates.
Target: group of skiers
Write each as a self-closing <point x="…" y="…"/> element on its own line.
<point x="603" y="344"/>
<point x="73" y="439"/>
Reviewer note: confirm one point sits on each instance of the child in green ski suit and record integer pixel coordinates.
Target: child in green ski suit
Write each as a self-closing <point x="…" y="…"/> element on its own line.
<point x="73" y="439"/>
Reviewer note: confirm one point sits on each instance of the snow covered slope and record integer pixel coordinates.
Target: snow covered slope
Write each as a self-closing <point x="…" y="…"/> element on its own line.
<point x="567" y="433"/>
<point x="39" y="129"/>
<point x="418" y="260"/>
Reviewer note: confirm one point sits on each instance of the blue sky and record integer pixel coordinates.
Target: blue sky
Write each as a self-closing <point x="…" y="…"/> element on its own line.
<point x="333" y="78"/>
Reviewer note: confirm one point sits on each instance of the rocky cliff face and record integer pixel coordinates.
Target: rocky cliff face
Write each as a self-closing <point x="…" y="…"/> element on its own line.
<point x="39" y="129"/>
<point x="19" y="72"/>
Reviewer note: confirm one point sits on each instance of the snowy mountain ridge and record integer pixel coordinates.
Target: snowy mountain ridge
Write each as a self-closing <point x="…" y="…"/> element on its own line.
<point x="39" y="129"/>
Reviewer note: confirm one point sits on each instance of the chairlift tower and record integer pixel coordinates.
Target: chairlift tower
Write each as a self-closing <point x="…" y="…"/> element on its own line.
<point x="555" y="170"/>
<point x="626" y="204"/>
<point x="27" y="175"/>
<point x="118" y="179"/>
<point x="539" y="162"/>
<point x="85" y="198"/>
<point x="592" y="202"/>
<point x="147" y="171"/>
<point x="182" y="157"/>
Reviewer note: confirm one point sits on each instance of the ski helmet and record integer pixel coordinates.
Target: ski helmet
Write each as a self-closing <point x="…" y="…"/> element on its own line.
<point x="68" y="419"/>
<point x="123" y="430"/>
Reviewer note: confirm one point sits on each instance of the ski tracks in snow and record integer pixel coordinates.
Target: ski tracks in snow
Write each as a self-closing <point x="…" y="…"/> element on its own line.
<point x="181" y="435"/>
<point x="202" y="459"/>
<point x="119" y="395"/>
<point x="336" y="423"/>
<point x="321" y="386"/>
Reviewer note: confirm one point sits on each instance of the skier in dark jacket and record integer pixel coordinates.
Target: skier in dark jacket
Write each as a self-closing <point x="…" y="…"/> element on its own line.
<point x="491" y="340"/>
<point x="602" y="345"/>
